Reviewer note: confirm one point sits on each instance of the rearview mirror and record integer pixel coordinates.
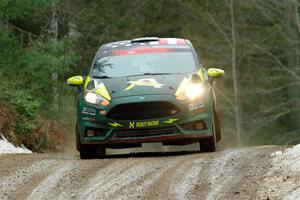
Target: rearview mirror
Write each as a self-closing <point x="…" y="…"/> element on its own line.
<point x="75" y="81"/>
<point x="215" y="72"/>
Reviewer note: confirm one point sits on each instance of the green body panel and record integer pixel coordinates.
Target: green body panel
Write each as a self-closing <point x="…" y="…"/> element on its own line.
<point x="144" y="88"/>
<point x="100" y="121"/>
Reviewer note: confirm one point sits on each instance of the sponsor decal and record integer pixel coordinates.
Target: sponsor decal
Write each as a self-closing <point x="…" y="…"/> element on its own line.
<point x="88" y="111"/>
<point x="170" y="121"/>
<point x="102" y="112"/>
<point x="115" y="124"/>
<point x="143" y="124"/>
<point x="131" y="124"/>
<point x="196" y="108"/>
<point x="149" y="82"/>
<point x="139" y="50"/>
<point x="199" y="110"/>
<point x="172" y="41"/>
<point x="88" y="118"/>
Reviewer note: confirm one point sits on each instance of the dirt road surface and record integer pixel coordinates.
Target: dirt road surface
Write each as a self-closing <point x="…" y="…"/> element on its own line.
<point x="240" y="173"/>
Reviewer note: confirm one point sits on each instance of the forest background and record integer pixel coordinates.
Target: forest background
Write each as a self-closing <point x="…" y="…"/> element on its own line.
<point x="43" y="42"/>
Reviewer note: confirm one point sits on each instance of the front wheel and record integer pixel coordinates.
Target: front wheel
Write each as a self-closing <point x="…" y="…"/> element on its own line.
<point x="217" y="125"/>
<point x="88" y="151"/>
<point x="92" y="151"/>
<point x="208" y="144"/>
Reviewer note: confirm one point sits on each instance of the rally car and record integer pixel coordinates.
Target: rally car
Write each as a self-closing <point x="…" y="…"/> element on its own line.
<point x="146" y="90"/>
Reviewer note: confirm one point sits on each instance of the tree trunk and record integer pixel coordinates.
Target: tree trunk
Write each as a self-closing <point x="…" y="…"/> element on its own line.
<point x="235" y="76"/>
<point x="53" y="36"/>
<point x="291" y="22"/>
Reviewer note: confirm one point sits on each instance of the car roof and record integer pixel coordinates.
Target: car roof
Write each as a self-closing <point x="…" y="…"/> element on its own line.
<point x="144" y="41"/>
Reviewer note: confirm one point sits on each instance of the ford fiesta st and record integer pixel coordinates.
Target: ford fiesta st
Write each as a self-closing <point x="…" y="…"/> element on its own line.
<point x="146" y="90"/>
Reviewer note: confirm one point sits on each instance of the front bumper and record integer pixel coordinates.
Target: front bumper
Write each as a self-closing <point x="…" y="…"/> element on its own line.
<point x="142" y="131"/>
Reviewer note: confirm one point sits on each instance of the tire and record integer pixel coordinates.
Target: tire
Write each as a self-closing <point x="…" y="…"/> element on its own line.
<point x="100" y="151"/>
<point x="88" y="151"/>
<point x="217" y="125"/>
<point x="209" y="144"/>
<point x="77" y="137"/>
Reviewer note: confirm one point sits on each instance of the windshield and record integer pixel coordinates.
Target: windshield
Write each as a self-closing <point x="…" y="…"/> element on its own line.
<point x="148" y="63"/>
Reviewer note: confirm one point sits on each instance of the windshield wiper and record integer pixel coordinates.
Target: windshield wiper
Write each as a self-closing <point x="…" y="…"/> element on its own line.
<point x="102" y="77"/>
<point x="145" y="74"/>
<point x="158" y="73"/>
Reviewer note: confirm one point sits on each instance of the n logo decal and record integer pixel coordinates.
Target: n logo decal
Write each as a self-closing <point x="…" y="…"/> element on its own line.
<point x="150" y="82"/>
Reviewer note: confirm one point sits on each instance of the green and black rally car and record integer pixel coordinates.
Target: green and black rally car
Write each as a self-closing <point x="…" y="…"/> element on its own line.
<point x="146" y="90"/>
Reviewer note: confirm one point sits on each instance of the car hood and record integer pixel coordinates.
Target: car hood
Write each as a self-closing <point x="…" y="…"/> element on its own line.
<point x="142" y="85"/>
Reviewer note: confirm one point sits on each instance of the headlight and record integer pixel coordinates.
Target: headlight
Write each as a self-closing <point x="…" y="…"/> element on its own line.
<point x="95" y="98"/>
<point x="194" y="90"/>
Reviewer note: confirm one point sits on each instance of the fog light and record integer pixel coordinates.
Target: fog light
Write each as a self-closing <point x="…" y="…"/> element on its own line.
<point x="90" y="133"/>
<point x="173" y="112"/>
<point x="200" y="125"/>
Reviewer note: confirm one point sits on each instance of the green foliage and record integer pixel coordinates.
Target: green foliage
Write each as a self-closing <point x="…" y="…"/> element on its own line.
<point x="45" y="58"/>
<point x="25" y="109"/>
<point x="14" y="9"/>
<point x="267" y="38"/>
<point x="27" y="67"/>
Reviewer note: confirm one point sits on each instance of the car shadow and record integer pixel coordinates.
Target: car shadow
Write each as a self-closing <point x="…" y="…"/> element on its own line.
<point x="150" y="154"/>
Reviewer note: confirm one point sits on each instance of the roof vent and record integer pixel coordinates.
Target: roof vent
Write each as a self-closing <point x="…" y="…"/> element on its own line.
<point x="144" y="39"/>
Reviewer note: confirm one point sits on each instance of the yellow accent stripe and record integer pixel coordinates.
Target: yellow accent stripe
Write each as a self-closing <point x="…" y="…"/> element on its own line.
<point x="88" y="79"/>
<point x="101" y="89"/>
<point x="170" y="121"/>
<point x="200" y="73"/>
<point x="130" y="86"/>
<point x="115" y="124"/>
<point x="182" y="86"/>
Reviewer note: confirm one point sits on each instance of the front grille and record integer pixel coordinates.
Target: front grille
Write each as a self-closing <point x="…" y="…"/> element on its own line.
<point x="134" y="133"/>
<point x="142" y="110"/>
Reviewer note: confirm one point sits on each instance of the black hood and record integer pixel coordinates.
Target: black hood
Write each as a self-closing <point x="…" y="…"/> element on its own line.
<point x="142" y="85"/>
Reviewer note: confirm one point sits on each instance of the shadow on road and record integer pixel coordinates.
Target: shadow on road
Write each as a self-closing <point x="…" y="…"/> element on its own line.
<point x="151" y="154"/>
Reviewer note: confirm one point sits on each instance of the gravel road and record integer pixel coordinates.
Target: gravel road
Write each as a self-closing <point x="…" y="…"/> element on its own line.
<point x="239" y="173"/>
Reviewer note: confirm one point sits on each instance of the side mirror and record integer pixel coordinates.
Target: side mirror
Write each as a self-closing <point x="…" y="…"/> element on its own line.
<point x="75" y="81"/>
<point x="215" y="72"/>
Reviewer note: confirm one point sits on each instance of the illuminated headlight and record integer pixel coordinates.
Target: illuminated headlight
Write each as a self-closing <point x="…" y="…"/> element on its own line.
<point x="95" y="98"/>
<point x="194" y="90"/>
